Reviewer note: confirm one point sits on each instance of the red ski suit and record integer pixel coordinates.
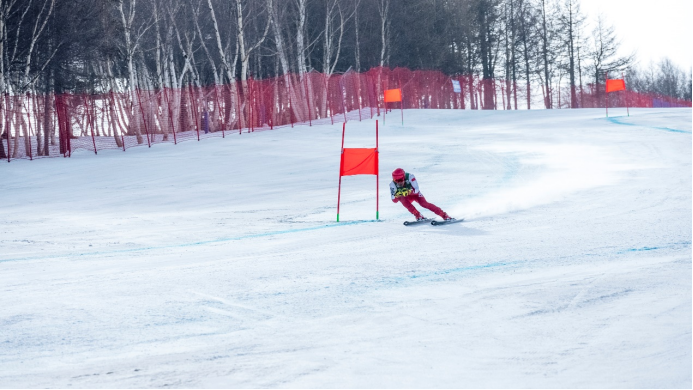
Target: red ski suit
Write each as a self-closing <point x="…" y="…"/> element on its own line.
<point x="408" y="193"/>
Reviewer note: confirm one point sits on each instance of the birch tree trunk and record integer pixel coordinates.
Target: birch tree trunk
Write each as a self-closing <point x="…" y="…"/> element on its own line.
<point x="297" y="109"/>
<point x="545" y="55"/>
<point x="127" y="19"/>
<point x="357" y="48"/>
<point x="229" y="67"/>
<point x="162" y="111"/>
<point x="328" y="46"/>
<point x="306" y="84"/>
<point x="383" y="9"/>
<point x="113" y="122"/>
<point x="25" y="133"/>
<point x="246" y="50"/>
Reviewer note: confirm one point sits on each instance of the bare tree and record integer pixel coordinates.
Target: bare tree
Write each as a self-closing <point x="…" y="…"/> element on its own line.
<point x="132" y="34"/>
<point x="301" y="36"/>
<point x="570" y="20"/>
<point x="546" y="39"/>
<point x="671" y="80"/>
<point x="385" y="21"/>
<point x="334" y="31"/>
<point x="357" y="43"/>
<point x="51" y="46"/>
<point x="604" y="52"/>
<point x="527" y="39"/>
<point x="244" y="46"/>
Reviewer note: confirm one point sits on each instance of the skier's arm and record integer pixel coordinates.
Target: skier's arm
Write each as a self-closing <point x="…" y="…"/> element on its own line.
<point x="393" y="190"/>
<point x="414" y="183"/>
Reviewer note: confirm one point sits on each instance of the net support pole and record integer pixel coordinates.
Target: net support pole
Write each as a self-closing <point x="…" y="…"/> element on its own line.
<point x="170" y="115"/>
<point x="401" y="103"/>
<point x="305" y="83"/>
<point x="90" y="119"/>
<point x="144" y="119"/>
<point x="357" y="91"/>
<point x="28" y="118"/>
<point x="61" y="136"/>
<point x="291" y="109"/>
<point x="606" y="94"/>
<point x="250" y="101"/>
<point x="93" y="119"/>
<point x="401" y="108"/>
<point x="6" y="127"/>
<point x="192" y="96"/>
<point x="377" y="97"/>
<point x="37" y="119"/>
<point x="368" y="92"/>
<point x="218" y="112"/>
<point x="342" y="93"/>
<point x="341" y="162"/>
<point x="115" y="106"/>
<point x="329" y="101"/>
<point x="238" y="107"/>
<point x="625" y="92"/>
<point x="377" y="175"/>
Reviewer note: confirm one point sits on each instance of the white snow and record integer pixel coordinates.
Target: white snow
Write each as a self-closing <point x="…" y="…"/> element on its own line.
<point x="219" y="263"/>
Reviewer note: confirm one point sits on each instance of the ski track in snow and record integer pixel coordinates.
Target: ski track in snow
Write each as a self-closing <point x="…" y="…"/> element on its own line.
<point x="220" y="265"/>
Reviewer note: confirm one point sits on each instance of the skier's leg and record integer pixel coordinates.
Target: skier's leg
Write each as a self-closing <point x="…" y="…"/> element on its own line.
<point x="425" y="204"/>
<point x="407" y="204"/>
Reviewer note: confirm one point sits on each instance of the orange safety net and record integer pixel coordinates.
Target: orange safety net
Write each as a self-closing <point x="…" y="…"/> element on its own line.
<point x="393" y="95"/>
<point x="359" y="161"/>
<point x="615" y="85"/>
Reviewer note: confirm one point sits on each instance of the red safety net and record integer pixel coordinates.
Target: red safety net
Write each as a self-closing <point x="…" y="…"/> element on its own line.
<point x="38" y="125"/>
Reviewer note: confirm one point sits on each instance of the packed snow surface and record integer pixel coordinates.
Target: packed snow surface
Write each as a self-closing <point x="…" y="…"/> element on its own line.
<point x="220" y="263"/>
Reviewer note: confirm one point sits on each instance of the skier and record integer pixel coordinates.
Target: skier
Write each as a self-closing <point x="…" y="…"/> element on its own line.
<point x="405" y="189"/>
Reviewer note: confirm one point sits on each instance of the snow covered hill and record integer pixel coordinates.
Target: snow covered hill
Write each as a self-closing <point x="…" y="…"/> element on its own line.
<point x="220" y="264"/>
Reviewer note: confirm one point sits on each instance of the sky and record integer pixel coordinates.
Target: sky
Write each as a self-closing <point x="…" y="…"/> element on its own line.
<point x="652" y="29"/>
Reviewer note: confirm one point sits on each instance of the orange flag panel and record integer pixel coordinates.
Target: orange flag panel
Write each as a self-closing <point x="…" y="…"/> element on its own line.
<point x="393" y="95"/>
<point x="359" y="161"/>
<point x="615" y="85"/>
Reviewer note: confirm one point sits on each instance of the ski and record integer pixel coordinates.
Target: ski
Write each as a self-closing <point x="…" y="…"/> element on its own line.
<point x="434" y="223"/>
<point x="407" y="223"/>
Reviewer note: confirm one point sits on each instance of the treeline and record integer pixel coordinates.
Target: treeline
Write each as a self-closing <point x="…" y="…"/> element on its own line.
<point x="87" y="46"/>
<point x="663" y="78"/>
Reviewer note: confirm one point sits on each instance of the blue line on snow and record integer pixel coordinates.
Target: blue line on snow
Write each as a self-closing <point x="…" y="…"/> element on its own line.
<point x="195" y="243"/>
<point x="654" y="248"/>
<point x="510" y="263"/>
<point x="459" y="269"/>
<point x="614" y="120"/>
<point x="672" y="130"/>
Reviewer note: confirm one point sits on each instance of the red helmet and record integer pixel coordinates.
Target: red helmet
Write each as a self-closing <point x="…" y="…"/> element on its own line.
<point x="398" y="174"/>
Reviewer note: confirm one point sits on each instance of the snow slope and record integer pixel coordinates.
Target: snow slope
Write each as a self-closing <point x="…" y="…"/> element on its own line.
<point x="219" y="263"/>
